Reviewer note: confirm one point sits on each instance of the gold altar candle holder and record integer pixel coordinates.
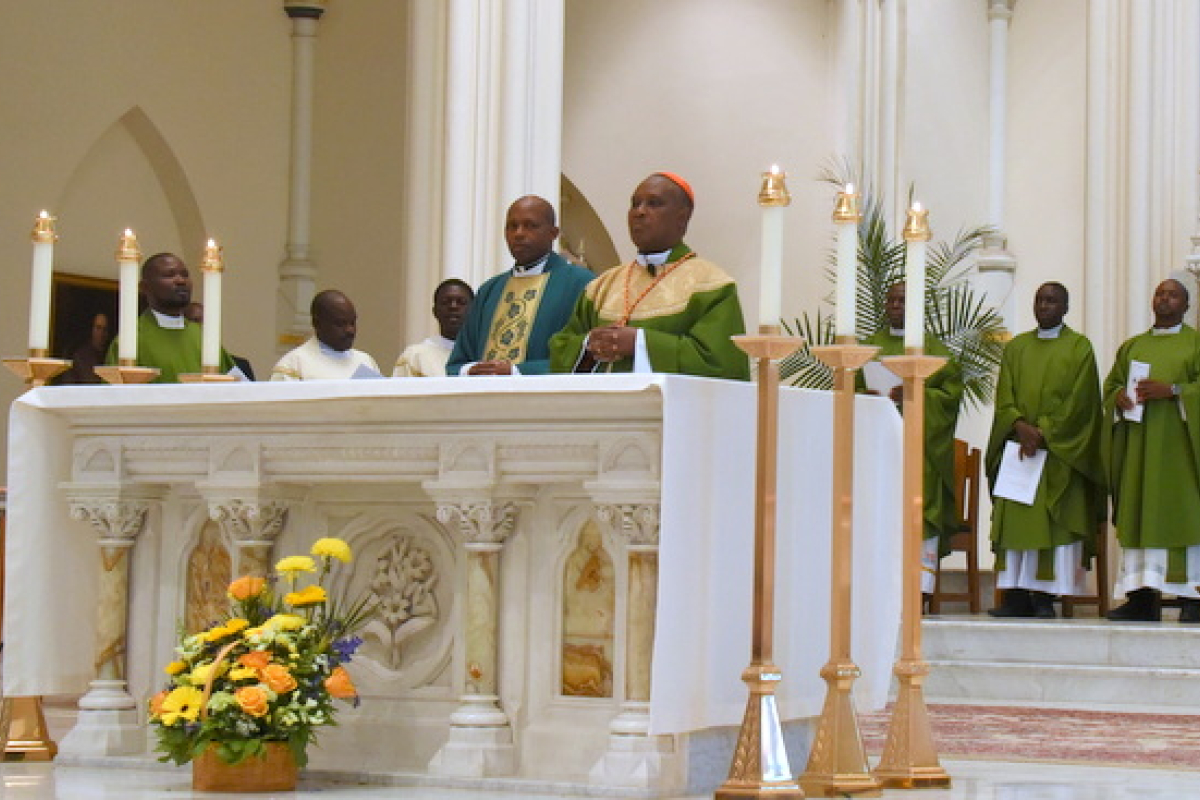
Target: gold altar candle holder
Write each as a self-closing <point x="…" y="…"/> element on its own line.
<point x="38" y="369"/>
<point x="910" y="757"/>
<point x="207" y="375"/>
<point x="837" y="763"/>
<point x="127" y="372"/>
<point x="760" y="764"/>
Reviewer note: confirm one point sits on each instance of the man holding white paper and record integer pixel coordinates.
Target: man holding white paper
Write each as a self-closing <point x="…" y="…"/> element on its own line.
<point x="1043" y="462"/>
<point x="1154" y="463"/>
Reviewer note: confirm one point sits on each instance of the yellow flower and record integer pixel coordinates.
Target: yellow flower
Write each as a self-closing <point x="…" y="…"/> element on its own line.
<point x="308" y="596"/>
<point x="285" y="622"/>
<point x="246" y="587"/>
<point x="182" y="703"/>
<point x="175" y="667"/>
<point x="242" y="673"/>
<point x="236" y="625"/>
<point x="200" y="675"/>
<point x="295" y="564"/>
<point x="332" y="548"/>
<point x="230" y="628"/>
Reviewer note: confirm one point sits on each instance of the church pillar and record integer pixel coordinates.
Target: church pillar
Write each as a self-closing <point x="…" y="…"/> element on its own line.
<point x="995" y="263"/>
<point x="481" y="741"/>
<point x="252" y="522"/>
<point x="109" y="721"/>
<point x="297" y="271"/>
<point x="634" y="757"/>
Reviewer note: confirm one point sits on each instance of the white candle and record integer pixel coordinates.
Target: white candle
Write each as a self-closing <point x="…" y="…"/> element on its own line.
<point x="773" y="199"/>
<point x="210" y="350"/>
<point x="916" y="233"/>
<point x="39" y="293"/>
<point x="845" y="217"/>
<point x="127" y="263"/>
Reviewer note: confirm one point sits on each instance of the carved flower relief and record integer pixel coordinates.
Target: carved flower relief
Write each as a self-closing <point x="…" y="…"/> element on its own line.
<point x="403" y="587"/>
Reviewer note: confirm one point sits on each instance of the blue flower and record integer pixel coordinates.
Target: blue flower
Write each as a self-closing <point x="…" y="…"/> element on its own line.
<point x="344" y="649"/>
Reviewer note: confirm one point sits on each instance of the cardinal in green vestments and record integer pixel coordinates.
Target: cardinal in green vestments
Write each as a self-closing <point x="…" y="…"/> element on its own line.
<point x="509" y="325"/>
<point x="1154" y="462"/>
<point x="166" y="338"/>
<point x="1047" y="400"/>
<point x="667" y="311"/>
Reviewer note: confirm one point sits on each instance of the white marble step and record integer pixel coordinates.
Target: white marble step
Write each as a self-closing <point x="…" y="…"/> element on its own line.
<point x="1079" y="662"/>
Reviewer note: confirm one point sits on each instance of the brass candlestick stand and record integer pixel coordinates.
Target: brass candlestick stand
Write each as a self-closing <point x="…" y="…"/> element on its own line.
<point x="209" y="375"/>
<point x="127" y="372"/>
<point x="760" y="764"/>
<point x="837" y="764"/>
<point x="910" y="758"/>
<point x="37" y="370"/>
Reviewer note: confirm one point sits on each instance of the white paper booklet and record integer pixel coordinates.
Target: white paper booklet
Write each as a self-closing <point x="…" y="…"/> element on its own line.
<point x="1019" y="477"/>
<point x="364" y="371"/>
<point x="879" y="378"/>
<point x="1138" y="370"/>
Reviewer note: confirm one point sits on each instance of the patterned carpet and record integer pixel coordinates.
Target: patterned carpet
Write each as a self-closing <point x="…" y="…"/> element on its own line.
<point x="1055" y="734"/>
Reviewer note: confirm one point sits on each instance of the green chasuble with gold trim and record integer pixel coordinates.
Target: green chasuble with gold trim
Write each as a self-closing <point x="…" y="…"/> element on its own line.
<point x="943" y="394"/>
<point x="1052" y="384"/>
<point x="1154" y="465"/>
<point x="175" y="351"/>
<point x="688" y="315"/>
<point x="512" y="318"/>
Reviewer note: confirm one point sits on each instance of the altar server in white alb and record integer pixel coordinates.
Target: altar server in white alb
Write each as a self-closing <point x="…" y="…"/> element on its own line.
<point x="329" y="354"/>
<point x="451" y="301"/>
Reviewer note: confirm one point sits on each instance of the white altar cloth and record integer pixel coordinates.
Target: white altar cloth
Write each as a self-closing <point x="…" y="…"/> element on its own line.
<point x="702" y="640"/>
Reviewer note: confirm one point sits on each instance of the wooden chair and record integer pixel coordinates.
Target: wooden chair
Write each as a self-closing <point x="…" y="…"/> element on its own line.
<point x="1103" y="597"/>
<point x="967" y="462"/>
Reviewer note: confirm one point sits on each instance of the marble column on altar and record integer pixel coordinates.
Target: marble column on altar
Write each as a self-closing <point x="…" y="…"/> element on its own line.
<point x="110" y="723"/>
<point x="634" y="757"/>
<point x="252" y="523"/>
<point x="481" y="739"/>
<point x="297" y="271"/>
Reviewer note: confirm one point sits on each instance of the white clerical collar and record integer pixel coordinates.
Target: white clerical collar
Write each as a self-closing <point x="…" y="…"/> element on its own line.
<point x="1050" y="333"/>
<point x="528" y="271"/>
<point x="442" y="341"/>
<point x="653" y="259"/>
<point x="166" y="321"/>
<point x="895" y="331"/>
<point x="1166" y="331"/>
<point x="329" y="351"/>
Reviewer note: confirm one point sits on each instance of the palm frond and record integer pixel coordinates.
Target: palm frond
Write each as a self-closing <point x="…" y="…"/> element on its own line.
<point x="802" y="368"/>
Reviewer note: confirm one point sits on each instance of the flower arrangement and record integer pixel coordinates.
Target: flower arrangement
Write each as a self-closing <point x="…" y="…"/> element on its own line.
<point x="269" y="672"/>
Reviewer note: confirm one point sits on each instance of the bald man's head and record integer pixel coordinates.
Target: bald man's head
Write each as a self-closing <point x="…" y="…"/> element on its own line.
<point x="530" y="229"/>
<point x="334" y="320"/>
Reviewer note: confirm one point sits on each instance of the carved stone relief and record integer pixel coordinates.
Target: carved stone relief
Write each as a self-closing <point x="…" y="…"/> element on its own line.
<point x="402" y="588"/>
<point x="589" y="618"/>
<point x="209" y="572"/>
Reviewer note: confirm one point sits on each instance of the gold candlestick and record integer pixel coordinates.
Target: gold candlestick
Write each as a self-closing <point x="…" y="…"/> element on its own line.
<point x="127" y="372"/>
<point x="760" y="764"/>
<point x="37" y="370"/>
<point x="910" y="757"/>
<point x="837" y="764"/>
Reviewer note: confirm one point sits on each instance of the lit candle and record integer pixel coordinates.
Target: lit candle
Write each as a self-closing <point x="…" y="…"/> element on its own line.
<point x="916" y="234"/>
<point x="845" y="218"/>
<point x="128" y="257"/>
<point x="39" y="293"/>
<point x="212" y="265"/>
<point x="773" y="198"/>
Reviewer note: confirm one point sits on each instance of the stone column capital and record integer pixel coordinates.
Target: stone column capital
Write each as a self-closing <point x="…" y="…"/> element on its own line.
<point x="484" y="523"/>
<point x="250" y="521"/>
<point x="304" y="9"/>
<point x="634" y="522"/>
<point x="116" y="514"/>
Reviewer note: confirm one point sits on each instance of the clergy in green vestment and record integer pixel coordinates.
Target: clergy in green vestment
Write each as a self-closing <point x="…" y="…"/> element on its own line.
<point x="1154" y="460"/>
<point x="166" y="339"/>
<point x="943" y="395"/>
<point x="667" y="311"/>
<point x="1048" y="401"/>
<point x="509" y="325"/>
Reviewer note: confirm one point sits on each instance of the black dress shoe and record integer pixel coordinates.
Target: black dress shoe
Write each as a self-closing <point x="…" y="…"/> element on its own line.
<point x="1016" y="603"/>
<point x="1043" y="605"/>
<point x="1189" y="610"/>
<point x="1142" y="605"/>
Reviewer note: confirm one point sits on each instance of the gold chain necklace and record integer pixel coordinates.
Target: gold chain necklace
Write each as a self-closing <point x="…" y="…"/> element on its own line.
<point x="629" y="307"/>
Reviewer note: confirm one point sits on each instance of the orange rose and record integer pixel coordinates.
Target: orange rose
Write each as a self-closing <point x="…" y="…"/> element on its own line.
<point x="277" y="678"/>
<point x="246" y="587"/>
<point x="256" y="659"/>
<point x="252" y="700"/>
<point x="156" y="703"/>
<point x="339" y="684"/>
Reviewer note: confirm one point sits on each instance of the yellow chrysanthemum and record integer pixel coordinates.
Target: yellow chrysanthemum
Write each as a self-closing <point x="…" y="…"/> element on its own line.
<point x="308" y="596"/>
<point x="243" y="673"/>
<point x="200" y="675"/>
<point x="175" y="667"/>
<point x="332" y="548"/>
<point x="236" y="625"/>
<point x="285" y="622"/>
<point x="182" y="703"/>
<point x="295" y="564"/>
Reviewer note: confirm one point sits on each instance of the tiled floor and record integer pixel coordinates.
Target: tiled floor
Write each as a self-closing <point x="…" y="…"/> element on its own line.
<point x="973" y="780"/>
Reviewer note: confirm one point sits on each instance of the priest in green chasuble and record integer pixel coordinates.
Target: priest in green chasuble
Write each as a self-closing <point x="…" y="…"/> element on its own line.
<point x="1047" y="400"/>
<point x="943" y="394"/>
<point x="1154" y="460"/>
<point x="509" y="325"/>
<point x="166" y="338"/>
<point x="667" y="311"/>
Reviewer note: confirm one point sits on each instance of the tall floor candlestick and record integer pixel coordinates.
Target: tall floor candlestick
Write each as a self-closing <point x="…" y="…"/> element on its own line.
<point x="773" y="197"/>
<point x="909" y="756"/>
<point x="760" y="764"/>
<point x="837" y="764"/>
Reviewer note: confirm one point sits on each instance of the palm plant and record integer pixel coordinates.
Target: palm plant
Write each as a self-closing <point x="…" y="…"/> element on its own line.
<point x="954" y="312"/>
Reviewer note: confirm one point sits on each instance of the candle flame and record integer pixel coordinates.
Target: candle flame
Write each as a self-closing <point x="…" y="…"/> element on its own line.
<point x="128" y="232"/>
<point x="774" y="169"/>
<point x="44" y="214"/>
<point x="849" y="188"/>
<point x="916" y="206"/>
<point x="212" y="243"/>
